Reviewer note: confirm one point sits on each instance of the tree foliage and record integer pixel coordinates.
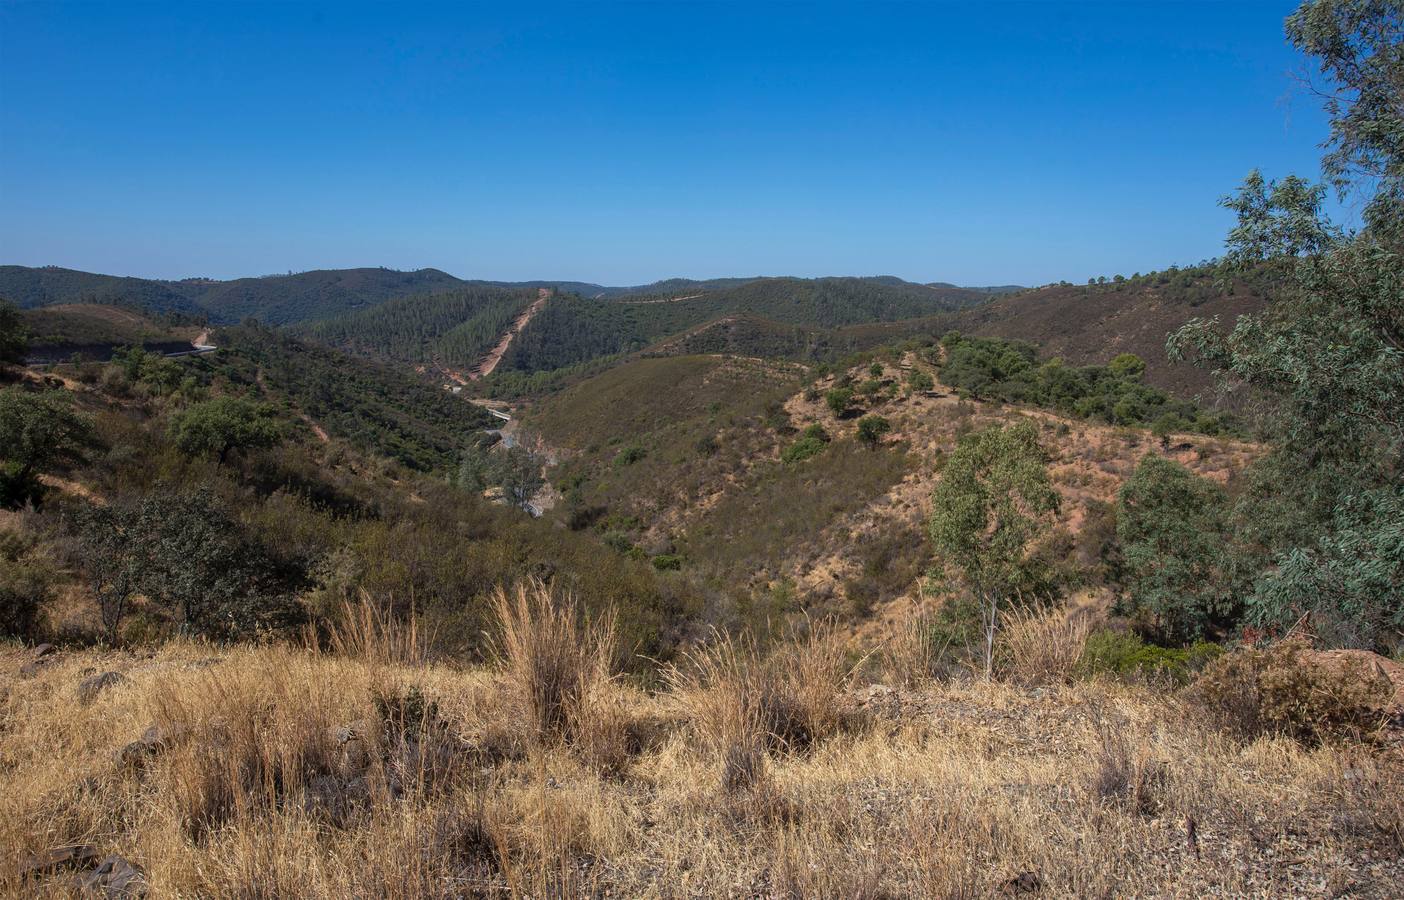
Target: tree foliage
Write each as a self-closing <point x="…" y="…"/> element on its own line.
<point x="184" y="550"/>
<point x="1010" y="371"/>
<point x="871" y="428"/>
<point x="1357" y="48"/>
<point x="1173" y="530"/>
<point x="993" y="498"/>
<point x="14" y="337"/>
<point x="838" y="399"/>
<point x="1314" y="523"/>
<point x="224" y="424"/>
<point x="38" y="432"/>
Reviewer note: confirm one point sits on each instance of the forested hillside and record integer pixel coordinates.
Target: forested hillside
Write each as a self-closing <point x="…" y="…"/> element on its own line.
<point x="274" y="299"/>
<point x="304" y="296"/>
<point x="570" y="330"/>
<point x="30" y="287"/>
<point x="1091" y="323"/>
<point x="454" y="328"/>
<point x="381" y="408"/>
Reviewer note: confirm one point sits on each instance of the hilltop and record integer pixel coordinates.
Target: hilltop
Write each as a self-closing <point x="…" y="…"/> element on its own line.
<point x="273" y="299"/>
<point x="327" y="293"/>
<point x="1087" y="323"/>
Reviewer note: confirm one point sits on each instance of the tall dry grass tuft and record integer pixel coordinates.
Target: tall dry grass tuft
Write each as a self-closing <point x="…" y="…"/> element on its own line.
<point x="558" y="667"/>
<point x="917" y="653"/>
<point x="742" y="702"/>
<point x="371" y="632"/>
<point x="1042" y="645"/>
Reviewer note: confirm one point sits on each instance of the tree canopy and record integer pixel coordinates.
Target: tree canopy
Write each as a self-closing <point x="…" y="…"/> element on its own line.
<point x="38" y="432"/>
<point x="993" y="498"/>
<point x="14" y="337"/>
<point x="1173" y="532"/>
<point x="223" y="425"/>
<point x="1317" y="523"/>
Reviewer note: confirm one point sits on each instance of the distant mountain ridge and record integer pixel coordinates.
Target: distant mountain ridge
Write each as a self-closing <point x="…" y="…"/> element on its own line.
<point x="320" y="293"/>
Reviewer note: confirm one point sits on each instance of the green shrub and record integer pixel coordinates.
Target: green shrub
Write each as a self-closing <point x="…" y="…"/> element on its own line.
<point x="630" y="455"/>
<point x="838" y="400"/>
<point x="19" y="487"/>
<point x="802" y="449"/>
<point x="1124" y="654"/>
<point x="24" y="589"/>
<point x="872" y="428"/>
<point x="667" y="562"/>
<point x="1283" y="690"/>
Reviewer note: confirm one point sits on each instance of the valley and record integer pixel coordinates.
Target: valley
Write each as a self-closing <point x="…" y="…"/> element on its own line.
<point x="354" y="581"/>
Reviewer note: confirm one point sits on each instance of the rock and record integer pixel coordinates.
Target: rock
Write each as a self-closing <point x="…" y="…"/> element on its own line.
<point x="152" y="742"/>
<point x="353" y="747"/>
<point x="42" y="650"/>
<point x="90" y="687"/>
<point x="29" y="669"/>
<point x="116" y="877"/>
<point x="55" y="859"/>
<point x="1023" y="883"/>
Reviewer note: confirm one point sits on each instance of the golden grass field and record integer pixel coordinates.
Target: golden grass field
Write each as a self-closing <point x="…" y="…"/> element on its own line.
<point x="360" y="770"/>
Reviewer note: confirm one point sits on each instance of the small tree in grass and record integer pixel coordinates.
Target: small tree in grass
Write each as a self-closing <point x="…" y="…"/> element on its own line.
<point x="871" y="429"/>
<point x="993" y="499"/>
<point x="1174" y="535"/>
<point x="223" y="425"/>
<point x="838" y="400"/>
<point x="38" y="431"/>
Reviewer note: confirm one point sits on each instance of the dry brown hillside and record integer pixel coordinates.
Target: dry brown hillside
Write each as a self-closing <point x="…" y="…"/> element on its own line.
<point x="1088" y="462"/>
<point x="1091" y="324"/>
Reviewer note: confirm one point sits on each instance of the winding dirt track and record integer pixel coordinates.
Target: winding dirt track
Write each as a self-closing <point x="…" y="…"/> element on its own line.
<point x="488" y="363"/>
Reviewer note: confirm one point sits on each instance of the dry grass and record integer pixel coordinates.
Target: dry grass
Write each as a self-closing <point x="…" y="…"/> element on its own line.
<point x="556" y="665"/>
<point x="294" y="773"/>
<point x="372" y="632"/>
<point x="1042" y="645"/>
<point x="742" y="702"/>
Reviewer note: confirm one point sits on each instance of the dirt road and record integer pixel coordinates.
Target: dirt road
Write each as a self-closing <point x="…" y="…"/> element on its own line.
<point x="488" y="363"/>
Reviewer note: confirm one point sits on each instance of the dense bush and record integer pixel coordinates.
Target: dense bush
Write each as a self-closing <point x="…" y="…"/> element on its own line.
<point x="1010" y="371"/>
<point x="811" y="443"/>
<point x="38" y="432"/>
<point x="1286" y="690"/>
<point x="1125" y="654"/>
<point x="871" y="428"/>
<point x="223" y="425"/>
<point x="1175" y="540"/>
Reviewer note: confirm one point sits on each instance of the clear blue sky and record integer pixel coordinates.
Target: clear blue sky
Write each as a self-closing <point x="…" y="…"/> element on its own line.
<point x="980" y="144"/>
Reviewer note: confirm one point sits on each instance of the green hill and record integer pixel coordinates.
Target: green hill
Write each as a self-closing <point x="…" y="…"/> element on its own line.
<point x="49" y="285"/>
<point x="454" y="328"/>
<point x="274" y="299"/>
<point x="304" y="296"/>
<point x="570" y="331"/>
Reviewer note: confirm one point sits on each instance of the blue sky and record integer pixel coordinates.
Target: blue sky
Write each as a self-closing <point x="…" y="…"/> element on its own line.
<point x="981" y="144"/>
